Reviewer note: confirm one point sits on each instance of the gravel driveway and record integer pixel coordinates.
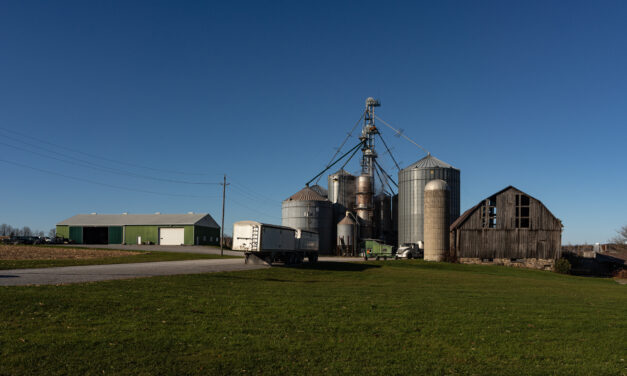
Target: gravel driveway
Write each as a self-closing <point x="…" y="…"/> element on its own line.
<point x="92" y="273"/>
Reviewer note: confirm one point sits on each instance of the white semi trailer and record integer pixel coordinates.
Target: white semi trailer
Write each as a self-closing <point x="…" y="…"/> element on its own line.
<point x="272" y="243"/>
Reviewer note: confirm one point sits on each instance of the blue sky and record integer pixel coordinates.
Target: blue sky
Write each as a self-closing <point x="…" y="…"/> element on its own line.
<point x="530" y="94"/>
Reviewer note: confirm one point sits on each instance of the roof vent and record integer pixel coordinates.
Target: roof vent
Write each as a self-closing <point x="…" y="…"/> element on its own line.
<point x="157" y="212"/>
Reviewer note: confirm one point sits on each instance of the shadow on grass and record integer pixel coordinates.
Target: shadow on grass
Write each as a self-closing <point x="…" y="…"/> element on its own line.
<point x="334" y="266"/>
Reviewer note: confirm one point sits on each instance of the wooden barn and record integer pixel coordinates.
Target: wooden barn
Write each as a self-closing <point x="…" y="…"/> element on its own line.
<point x="510" y="227"/>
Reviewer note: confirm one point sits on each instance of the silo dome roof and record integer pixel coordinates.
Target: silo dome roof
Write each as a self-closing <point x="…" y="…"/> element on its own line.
<point x="347" y="221"/>
<point x="430" y="162"/>
<point x="320" y="190"/>
<point x="306" y="194"/>
<point x="341" y="171"/>
<point x="436" y="185"/>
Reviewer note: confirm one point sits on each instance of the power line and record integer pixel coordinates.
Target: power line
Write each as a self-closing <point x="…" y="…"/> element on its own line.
<point x="80" y="162"/>
<point x="252" y="193"/>
<point x="253" y="209"/>
<point x="124" y="163"/>
<point x="100" y="183"/>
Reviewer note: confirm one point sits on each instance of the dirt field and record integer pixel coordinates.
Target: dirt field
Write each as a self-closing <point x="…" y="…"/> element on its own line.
<point x="29" y="252"/>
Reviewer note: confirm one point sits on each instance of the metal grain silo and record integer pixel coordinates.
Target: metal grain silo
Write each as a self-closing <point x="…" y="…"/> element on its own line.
<point x="308" y="210"/>
<point x="342" y="189"/>
<point x="436" y="209"/>
<point x="364" y="208"/>
<point x="347" y="236"/>
<point x="411" y="186"/>
<point x="341" y="194"/>
<point x="383" y="217"/>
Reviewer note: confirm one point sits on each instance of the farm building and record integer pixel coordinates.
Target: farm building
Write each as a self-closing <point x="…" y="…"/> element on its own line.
<point x="163" y="229"/>
<point x="510" y="227"/>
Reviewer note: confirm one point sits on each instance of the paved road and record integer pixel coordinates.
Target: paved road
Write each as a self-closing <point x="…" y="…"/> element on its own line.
<point x="201" y="249"/>
<point x="92" y="273"/>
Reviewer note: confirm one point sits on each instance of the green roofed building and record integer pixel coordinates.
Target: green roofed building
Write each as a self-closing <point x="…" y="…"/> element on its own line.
<point x="163" y="229"/>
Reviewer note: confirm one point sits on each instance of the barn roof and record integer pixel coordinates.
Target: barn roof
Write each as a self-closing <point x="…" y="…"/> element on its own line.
<point x="200" y="219"/>
<point x="462" y="218"/>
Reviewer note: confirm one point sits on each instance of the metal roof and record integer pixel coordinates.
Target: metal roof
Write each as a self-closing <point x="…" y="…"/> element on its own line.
<point x="320" y="190"/>
<point x="306" y="194"/>
<point x="347" y="221"/>
<point x="429" y="162"/>
<point x="255" y="223"/>
<point x="341" y="171"/>
<point x="199" y="219"/>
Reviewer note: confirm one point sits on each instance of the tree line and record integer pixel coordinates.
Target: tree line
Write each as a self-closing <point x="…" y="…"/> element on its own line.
<point x="8" y="230"/>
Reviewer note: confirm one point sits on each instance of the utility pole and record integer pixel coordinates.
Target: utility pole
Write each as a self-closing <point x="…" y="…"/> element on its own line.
<point x="224" y="184"/>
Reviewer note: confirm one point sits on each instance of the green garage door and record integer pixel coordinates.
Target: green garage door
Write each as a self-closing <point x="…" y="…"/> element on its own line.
<point x="76" y="234"/>
<point x="115" y="235"/>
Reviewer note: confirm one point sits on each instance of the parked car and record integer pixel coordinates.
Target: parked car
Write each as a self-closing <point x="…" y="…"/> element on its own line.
<point x="15" y="240"/>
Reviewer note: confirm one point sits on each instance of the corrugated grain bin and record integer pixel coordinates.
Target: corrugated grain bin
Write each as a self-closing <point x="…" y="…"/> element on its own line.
<point x="308" y="210"/>
<point x="342" y="189"/>
<point x="347" y="236"/>
<point x="436" y="229"/>
<point x="411" y="184"/>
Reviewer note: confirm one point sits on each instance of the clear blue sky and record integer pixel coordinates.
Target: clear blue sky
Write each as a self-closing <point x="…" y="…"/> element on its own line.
<point x="530" y="94"/>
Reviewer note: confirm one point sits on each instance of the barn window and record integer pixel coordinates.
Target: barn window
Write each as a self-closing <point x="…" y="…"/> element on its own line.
<point x="488" y="213"/>
<point x="522" y="211"/>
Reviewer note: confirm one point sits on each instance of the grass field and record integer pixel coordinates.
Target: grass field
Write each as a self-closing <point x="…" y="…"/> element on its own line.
<point x="383" y="318"/>
<point x="41" y="256"/>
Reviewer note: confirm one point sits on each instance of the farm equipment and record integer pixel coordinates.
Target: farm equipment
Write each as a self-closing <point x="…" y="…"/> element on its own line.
<point x="372" y="248"/>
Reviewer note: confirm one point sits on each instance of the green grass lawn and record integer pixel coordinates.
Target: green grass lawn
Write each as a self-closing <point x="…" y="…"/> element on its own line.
<point x="145" y="256"/>
<point x="380" y="318"/>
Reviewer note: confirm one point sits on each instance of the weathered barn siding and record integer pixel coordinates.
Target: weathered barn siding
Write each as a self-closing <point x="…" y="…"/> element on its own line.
<point x="470" y="237"/>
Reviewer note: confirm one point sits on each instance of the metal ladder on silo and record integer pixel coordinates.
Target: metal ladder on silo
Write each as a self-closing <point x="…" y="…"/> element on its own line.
<point x="254" y="241"/>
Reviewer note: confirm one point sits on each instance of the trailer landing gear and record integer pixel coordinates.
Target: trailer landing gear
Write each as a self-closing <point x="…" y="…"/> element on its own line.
<point x="253" y="259"/>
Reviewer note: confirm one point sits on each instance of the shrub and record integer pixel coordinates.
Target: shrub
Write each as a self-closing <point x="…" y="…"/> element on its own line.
<point x="562" y="266"/>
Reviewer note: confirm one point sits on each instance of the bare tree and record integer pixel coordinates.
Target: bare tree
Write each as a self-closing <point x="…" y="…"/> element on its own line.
<point x="621" y="238"/>
<point x="52" y="233"/>
<point x="5" y="229"/>
<point x="41" y="234"/>
<point x="26" y="231"/>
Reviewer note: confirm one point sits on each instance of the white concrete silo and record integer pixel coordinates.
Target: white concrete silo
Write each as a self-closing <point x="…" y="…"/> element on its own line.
<point x="436" y="220"/>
